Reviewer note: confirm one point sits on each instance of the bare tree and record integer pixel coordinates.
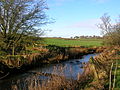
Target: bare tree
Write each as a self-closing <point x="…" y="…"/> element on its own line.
<point x="19" y="18"/>
<point x="110" y="31"/>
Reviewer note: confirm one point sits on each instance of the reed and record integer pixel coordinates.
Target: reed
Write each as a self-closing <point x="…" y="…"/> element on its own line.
<point x="55" y="81"/>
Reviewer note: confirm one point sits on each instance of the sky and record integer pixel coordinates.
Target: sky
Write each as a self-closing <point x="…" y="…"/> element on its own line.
<point x="78" y="17"/>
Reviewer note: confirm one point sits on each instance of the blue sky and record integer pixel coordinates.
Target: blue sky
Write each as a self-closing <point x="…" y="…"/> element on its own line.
<point x="79" y="17"/>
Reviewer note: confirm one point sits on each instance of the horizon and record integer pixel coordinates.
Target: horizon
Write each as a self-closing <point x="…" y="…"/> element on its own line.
<point x="73" y="37"/>
<point x="78" y="17"/>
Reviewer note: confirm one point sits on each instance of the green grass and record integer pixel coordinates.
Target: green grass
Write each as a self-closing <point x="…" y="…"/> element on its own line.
<point x="117" y="83"/>
<point x="73" y="42"/>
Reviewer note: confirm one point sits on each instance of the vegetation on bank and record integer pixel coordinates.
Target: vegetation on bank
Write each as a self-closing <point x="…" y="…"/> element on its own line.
<point x="49" y="54"/>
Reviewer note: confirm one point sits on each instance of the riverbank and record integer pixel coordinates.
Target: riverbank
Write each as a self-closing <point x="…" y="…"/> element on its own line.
<point x="102" y="70"/>
<point x="49" y="54"/>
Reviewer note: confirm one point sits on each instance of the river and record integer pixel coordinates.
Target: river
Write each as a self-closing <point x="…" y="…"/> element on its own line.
<point x="69" y="69"/>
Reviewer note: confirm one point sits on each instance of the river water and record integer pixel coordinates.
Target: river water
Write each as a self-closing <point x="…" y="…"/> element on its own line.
<point x="69" y="69"/>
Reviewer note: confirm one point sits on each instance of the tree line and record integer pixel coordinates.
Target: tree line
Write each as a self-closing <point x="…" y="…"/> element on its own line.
<point x="87" y="37"/>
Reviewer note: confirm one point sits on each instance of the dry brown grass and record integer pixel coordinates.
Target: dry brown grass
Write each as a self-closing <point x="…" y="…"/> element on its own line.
<point x="100" y="67"/>
<point x="55" y="82"/>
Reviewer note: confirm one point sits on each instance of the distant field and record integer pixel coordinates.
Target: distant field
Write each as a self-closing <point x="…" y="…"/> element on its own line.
<point x="73" y="42"/>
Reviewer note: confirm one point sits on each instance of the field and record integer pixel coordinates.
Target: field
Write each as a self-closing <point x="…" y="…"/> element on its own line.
<point x="73" y="42"/>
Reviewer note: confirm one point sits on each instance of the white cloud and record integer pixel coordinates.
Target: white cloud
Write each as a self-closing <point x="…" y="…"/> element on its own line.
<point x="59" y="2"/>
<point x="101" y="1"/>
<point x="89" y="24"/>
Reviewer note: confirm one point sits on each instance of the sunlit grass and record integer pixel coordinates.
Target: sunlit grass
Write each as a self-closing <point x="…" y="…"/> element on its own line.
<point x="73" y="42"/>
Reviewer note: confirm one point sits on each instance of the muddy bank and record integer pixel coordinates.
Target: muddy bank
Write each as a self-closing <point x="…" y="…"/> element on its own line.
<point x="53" y="54"/>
